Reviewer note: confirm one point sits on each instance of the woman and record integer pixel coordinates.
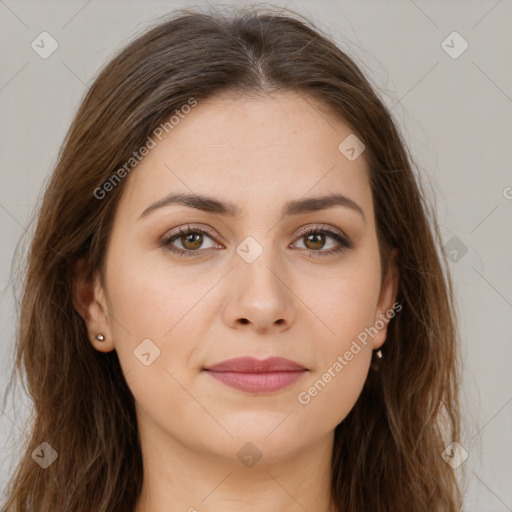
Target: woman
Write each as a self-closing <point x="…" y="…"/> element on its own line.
<point x="234" y="296"/>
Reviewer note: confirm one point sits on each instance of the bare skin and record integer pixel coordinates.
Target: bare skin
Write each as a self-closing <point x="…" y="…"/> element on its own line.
<point x="296" y="300"/>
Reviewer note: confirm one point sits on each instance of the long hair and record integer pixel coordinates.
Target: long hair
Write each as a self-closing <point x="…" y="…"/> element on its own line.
<point x="387" y="451"/>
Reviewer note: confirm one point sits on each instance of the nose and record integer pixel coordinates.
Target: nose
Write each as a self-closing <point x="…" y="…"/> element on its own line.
<point x="260" y="298"/>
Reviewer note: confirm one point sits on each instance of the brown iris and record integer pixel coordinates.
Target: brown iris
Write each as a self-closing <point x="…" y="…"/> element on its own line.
<point x="318" y="240"/>
<point x="192" y="241"/>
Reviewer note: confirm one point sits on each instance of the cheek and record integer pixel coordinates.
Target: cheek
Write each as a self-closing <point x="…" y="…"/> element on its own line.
<point x="151" y="316"/>
<point x="348" y="306"/>
<point x="147" y="297"/>
<point x="137" y="300"/>
<point x="161" y="303"/>
<point x="344" y="352"/>
<point x="331" y="393"/>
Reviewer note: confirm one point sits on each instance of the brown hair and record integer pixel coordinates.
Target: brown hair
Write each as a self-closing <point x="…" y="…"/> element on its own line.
<point x="408" y="410"/>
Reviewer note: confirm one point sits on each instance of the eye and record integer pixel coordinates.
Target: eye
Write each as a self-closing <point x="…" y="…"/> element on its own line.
<point x="315" y="239"/>
<point x="190" y="238"/>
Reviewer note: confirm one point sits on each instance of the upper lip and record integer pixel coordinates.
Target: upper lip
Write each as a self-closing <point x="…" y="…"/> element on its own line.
<point x="253" y="365"/>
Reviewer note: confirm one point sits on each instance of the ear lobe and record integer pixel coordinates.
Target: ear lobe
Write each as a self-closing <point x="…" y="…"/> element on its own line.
<point x="89" y="301"/>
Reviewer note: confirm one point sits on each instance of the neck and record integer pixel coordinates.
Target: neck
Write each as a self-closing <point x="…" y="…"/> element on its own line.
<point x="185" y="479"/>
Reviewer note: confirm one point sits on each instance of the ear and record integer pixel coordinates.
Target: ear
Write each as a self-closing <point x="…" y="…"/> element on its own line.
<point x="90" y="302"/>
<point x="387" y="298"/>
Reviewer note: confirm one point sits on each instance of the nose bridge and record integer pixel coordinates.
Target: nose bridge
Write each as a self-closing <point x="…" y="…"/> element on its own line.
<point x="262" y="295"/>
<point x="261" y="264"/>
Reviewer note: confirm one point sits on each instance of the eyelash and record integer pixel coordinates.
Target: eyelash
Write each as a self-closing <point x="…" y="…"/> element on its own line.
<point x="344" y="243"/>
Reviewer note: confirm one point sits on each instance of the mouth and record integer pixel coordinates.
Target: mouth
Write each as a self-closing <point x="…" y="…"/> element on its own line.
<point x="257" y="376"/>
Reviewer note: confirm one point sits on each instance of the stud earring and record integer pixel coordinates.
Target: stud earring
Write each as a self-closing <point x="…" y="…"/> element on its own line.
<point x="100" y="337"/>
<point x="379" y="354"/>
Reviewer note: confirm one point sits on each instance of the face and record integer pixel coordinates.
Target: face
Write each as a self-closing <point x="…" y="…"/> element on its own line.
<point x="263" y="277"/>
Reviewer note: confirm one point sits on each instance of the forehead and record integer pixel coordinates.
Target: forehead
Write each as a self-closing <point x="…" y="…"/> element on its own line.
<point x="249" y="151"/>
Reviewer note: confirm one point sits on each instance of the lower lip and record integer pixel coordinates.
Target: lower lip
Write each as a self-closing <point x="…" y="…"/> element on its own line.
<point x="258" y="382"/>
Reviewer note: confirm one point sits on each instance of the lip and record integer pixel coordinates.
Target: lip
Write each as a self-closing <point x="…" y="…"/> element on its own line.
<point x="257" y="376"/>
<point x="249" y="364"/>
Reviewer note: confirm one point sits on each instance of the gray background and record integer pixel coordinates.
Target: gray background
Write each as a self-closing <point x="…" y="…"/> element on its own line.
<point x="455" y="114"/>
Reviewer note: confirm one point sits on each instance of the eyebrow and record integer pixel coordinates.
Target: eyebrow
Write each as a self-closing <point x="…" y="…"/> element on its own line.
<point x="296" y="207"/>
